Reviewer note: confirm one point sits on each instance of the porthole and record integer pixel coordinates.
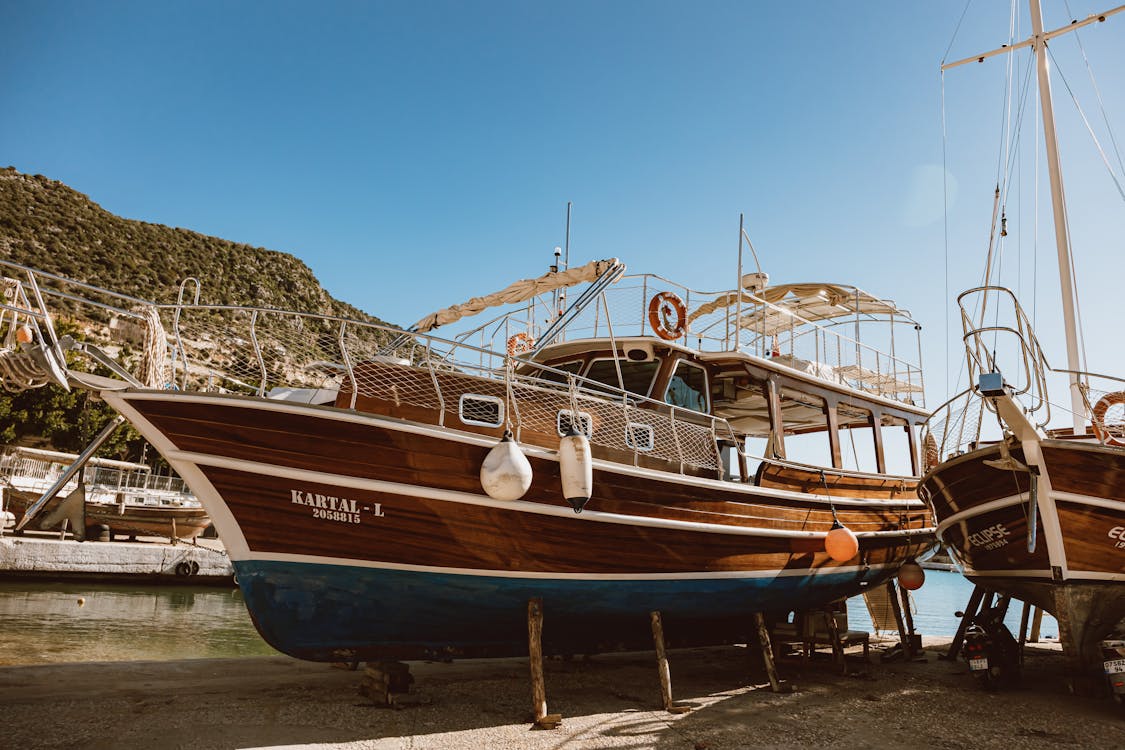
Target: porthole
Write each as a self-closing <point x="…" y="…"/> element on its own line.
<point x="483" y="411"/>
<point x="640" y="437"/>
<point x="582" y="423"/>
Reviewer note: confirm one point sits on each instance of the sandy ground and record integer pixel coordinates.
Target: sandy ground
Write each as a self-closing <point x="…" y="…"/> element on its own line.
<point x="611" y="701"/>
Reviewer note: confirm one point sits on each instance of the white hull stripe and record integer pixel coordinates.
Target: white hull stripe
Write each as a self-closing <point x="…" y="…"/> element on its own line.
<point x="1073" y="575"/>
<point x="1004" y="502"/>
<point x="979" y="510"/>
<point x="446" y="433"/>
<point x="1097" y="502"/>
<point x="467" y="498"/>
<point x="701" y="575"/>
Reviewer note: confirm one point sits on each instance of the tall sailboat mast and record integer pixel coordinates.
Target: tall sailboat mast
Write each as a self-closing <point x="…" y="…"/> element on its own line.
<point x="1058" y="208"/>
<point x="1038" y="44"/>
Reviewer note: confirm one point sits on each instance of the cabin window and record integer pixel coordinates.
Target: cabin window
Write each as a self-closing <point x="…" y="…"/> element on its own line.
<point x="566" y="368"/>
<point x="639" y="436"/>
<point x="484" y="411"/>
<point x="755" y="449"/>
<point x="857" y="439"/>
<point x="636" y="376"/>
<point x="806" y="428"/>
<point x="688" y="387"/>
<point x="581" y="422"/>
<point x="896" y="445"/>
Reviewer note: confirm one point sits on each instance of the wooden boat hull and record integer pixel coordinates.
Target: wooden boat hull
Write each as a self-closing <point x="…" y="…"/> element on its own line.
<point x="360" y="536"/>
<point x="1076" y="570"/>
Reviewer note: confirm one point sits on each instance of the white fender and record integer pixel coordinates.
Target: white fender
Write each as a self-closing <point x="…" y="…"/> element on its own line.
<point x="506" y="472"/>
<point x="576" y="469"/>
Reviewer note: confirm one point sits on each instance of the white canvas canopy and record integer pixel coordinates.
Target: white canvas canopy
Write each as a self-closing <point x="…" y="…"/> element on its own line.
<point x="810" y="302"/>
<point x="519" y="291"/>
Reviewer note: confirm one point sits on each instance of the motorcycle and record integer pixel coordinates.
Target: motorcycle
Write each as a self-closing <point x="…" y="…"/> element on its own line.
<point x="992" y="653"/>
<point x="1113" y="655"/>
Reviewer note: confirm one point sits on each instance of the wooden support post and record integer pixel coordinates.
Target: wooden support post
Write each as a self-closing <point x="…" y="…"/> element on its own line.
<point x="1023" y="627"/>
<point x="966" y="617"/>
<point x="767" y="652"/>
<point x="662" y="666"/>
<point x="543" y="720"/>
<point x="1036" y="622"/>
<point x="382" y="680"/>
<point x="909" y="617"/>
<point x="904" y="637"/>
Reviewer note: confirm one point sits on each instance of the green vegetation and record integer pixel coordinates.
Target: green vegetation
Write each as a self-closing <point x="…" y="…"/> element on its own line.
<point x="47" y="225"/>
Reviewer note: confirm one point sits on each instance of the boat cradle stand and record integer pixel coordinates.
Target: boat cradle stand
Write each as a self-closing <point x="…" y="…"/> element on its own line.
<point x="982" y="599"/>
<point x="544" y="720"/>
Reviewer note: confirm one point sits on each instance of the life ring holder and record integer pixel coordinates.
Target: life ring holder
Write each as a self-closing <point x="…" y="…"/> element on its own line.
<point x="520" y="343"/>
<point x="1100" y="409"/>
<point x="660" y="309"/>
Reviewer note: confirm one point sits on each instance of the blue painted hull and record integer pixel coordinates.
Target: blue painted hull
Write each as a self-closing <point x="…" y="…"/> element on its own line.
<point x="336" y="612"/>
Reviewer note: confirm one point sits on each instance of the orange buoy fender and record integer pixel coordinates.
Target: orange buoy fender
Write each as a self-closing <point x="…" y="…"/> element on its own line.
<point x="576" y="469"/>
<point x="911" y="576"/>
<point x="505" y="473"/>
<point x="841" y="543"/>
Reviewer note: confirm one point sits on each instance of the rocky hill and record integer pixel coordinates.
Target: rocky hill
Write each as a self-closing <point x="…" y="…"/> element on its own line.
<point x="47" y="225"/>
<point x="51" y="227"/>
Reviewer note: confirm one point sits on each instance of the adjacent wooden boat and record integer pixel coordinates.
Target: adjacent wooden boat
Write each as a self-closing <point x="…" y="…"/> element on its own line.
<point x="1040" y="513"/>
<point x="351" y="468"/>
<point x="123" y="496"/>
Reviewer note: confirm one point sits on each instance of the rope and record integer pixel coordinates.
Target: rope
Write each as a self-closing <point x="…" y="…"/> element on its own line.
<point x="154" y="356"/>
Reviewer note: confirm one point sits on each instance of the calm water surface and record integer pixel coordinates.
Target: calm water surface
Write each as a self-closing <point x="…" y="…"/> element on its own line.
<point x="44" y="623"/>
<point x="934" y="604"/>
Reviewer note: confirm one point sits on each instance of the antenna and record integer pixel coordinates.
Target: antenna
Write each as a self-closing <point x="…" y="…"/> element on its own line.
<point x="566" y="259"/>
<point x="738" y="288"/>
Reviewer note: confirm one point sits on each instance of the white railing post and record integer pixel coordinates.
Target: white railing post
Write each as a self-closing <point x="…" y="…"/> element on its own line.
<point x="348" y="364"/>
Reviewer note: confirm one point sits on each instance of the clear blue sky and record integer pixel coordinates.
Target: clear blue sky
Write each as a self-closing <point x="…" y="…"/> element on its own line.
<point x="418" y="153"/>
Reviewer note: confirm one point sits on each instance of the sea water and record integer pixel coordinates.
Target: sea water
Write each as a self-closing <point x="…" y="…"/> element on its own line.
<point x="934" y="605"/>
<point x="44" y="623"/>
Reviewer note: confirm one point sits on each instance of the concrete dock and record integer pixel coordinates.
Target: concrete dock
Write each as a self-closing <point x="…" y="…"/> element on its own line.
<point x="148" y="560"/>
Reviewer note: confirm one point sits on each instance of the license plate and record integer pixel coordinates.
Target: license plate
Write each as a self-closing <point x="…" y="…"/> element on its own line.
<point x="1114" y="666"/>
<point x="978" y="664"/>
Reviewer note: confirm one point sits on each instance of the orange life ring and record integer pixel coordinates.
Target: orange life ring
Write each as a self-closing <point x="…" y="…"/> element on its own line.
<point x="520" y="343"/>
<point x="661" y="309"/>
<point x="1100" y="409"/>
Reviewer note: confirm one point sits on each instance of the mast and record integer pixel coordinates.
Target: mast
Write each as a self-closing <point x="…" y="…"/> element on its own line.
<point x="1038" y="43"/>
<point x="1058" y="206"/>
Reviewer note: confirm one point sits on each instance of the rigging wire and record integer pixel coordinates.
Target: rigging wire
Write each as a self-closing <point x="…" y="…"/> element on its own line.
<point x="945" y="218"/>
<point x="1097" y="91"/>
<point x="1089" y="129"/>
<point x="945" y="198"/>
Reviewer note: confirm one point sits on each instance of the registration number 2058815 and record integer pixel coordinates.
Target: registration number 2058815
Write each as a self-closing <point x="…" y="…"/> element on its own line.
<point x="335" y="515"/>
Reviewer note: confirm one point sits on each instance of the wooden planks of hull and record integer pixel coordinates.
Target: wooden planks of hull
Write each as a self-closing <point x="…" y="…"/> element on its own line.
<point x="385" y="520"/>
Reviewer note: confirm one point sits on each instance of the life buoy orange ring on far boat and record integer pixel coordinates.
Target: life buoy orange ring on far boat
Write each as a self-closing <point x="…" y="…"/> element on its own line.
<point x="520" y="343"/>
<point x="667" y="315"/>
<point x="1100" y="409"/>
